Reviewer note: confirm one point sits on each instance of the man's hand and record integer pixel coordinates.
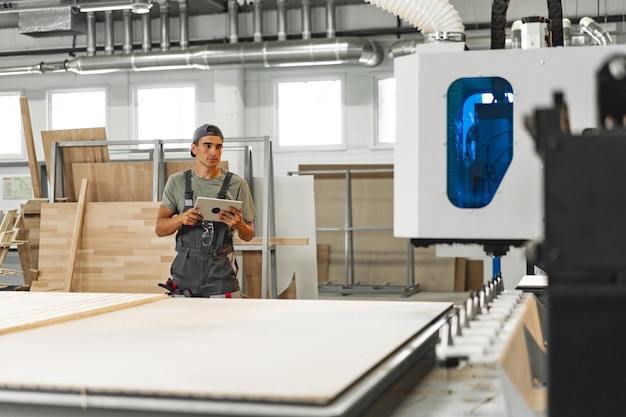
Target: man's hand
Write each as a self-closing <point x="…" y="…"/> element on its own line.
<point x="190" y="217"/>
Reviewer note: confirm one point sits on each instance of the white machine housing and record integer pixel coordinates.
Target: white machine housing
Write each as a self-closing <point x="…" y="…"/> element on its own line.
<point x="421" y="206"/>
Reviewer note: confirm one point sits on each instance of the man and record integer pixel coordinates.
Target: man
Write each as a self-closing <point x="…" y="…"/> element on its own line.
<point x="205" y="264"/>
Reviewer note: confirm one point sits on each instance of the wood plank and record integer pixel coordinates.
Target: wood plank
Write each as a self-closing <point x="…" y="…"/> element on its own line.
<point x="30" y="148"/>
<point x="78" y="225"/>
<point x="22" y="310"/>
<point x="72" y="155"/>
<point x="258" y="240"/>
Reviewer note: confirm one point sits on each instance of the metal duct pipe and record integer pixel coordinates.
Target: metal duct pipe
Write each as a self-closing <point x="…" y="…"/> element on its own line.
<point x="330" y="18"/>
<point x="164" y="8"/>
<point x="306" y="19"/>
<point x="349" y="50"/>
<point x="402" y="48"/>
<point x="183" y="17"/>
<point x="593" y="29"/>
<point x="22" y="70"/>
<point x="281" y="15"/>
<point x="233" y="21"/>
<point x="109" y="46"/>
<point x="128" y="32"/>
<point x="257" y="13"/>
<point x="91" y="34"/>
<point x="146" y="30"/>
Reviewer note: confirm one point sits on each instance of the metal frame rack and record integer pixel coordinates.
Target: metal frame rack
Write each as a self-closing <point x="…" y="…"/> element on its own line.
<point x="157" y="156"/>
<point x="350" y="286"/>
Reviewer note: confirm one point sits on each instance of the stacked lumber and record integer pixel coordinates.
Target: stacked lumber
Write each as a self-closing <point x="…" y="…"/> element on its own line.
<point x="117" y="249"/>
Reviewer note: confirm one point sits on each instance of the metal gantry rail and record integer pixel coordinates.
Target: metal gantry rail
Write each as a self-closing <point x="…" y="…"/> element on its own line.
<point x="350" y="285"/>
<point x="156" y="154"/>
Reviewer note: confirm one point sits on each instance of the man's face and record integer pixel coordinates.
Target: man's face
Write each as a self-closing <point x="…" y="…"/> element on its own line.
<point x="208" y="150"/>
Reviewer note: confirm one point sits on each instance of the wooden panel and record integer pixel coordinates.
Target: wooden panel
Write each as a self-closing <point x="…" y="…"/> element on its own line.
<point x="74" y="154"/>
<point x="116" y="181"/>
<point x="123" y="181"/>
<point x="514" y="359"/>
<point x="119" y="251"/>
<point x="30" y="147"/>
<point x="270" y="350"/>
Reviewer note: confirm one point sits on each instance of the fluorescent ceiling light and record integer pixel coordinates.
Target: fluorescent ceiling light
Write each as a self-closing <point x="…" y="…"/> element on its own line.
<point x="138" y="7"/>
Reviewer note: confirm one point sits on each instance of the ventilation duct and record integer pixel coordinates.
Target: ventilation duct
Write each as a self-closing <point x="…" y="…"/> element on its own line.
<point x="49" y="21"/>
<point x="283" y="53"/>
<point x="348" y="50"/>
<point x="427" y="16"/>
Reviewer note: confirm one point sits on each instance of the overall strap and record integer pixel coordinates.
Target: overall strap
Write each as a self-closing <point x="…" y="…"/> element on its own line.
<point x="222" y="193"/>
<point x="188" y="191"/>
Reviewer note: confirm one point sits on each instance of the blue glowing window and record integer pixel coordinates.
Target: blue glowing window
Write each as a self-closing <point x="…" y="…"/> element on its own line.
<point x="480" y="139"/>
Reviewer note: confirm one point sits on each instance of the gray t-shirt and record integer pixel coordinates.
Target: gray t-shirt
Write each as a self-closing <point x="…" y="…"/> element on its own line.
<point x="238" y="189"/>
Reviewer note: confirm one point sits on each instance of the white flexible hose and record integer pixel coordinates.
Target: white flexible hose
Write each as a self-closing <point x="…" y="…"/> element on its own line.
<point x="428" y="16"/>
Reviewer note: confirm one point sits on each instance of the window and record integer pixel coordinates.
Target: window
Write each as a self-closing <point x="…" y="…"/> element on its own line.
<point x="386" y="106"/>
<point x="309" y="113"/>
<point x="166" y="113"/>
<point x="77" y="109"/>
<point x="11" y="143"/>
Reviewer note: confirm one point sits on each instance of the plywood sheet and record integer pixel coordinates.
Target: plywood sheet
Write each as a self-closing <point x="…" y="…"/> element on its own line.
<point x="118" y="252"/>
<point x="269" y="350"/>
<point x="123" y="181"/>
<point x="72" y="155"/>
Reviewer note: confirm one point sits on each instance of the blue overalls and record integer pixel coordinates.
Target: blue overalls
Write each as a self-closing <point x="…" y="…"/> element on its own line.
<point x="205" y="266"/>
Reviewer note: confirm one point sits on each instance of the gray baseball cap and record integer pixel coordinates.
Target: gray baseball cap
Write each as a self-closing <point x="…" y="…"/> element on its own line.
<point x="206" y="130"/>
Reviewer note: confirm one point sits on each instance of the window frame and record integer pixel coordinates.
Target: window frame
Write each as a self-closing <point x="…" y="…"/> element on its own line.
<point x="335" y="76"/>
<point x="161" y="85"/>
<point x="377" y="144"/>
<point x="94" y="88"/>
<point x="21" y="156"/>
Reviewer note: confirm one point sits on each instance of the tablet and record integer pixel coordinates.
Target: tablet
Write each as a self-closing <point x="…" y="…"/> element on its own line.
<point x="210" y="207"/>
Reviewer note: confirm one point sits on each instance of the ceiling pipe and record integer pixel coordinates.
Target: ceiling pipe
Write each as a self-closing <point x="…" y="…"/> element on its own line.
<point x="330" y="19"/>
<point x="357" y="51"/>
<point x="281" y="14"/>
<point x="109" y="34"/>
<point x="128" y="32"/>
<point x="233" y="21"/>
<point x="91" y="34"/>
<point x="183" y="17"/>
<point x="146" y="33"/>
<point x="257" y="14"/>
<point x="306" y="19"/>
<point x="164" y="8"/>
